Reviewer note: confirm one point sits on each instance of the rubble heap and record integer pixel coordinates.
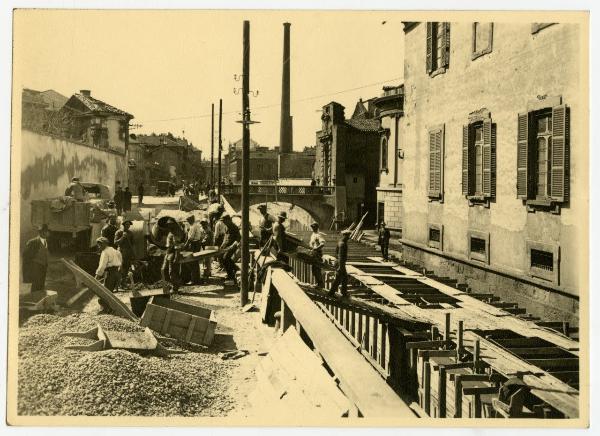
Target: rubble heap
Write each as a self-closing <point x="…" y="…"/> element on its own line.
<point x="57" y="381"/>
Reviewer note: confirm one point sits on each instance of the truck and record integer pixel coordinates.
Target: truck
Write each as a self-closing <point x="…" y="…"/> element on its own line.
<point x="73" y="223"/>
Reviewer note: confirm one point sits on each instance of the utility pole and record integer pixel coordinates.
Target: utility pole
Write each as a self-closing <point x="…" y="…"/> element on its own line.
<point x="219" y="184"/>
<point x="212" y="146"/>
<point x="245" y="165"/>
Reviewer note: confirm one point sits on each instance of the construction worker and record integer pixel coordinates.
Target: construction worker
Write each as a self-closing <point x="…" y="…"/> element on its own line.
<point x="279" y="237"/>
<point x="341" y="276"/>
<point x="170" y="268"/>
<point x="206" y="240"/>
<point x="108" y="268"/>
<point x="384" y="240"/>
<point x="229" y="245"/>
<point x="127" y="199"/>
<point x="214" y="213"/>
<point x="316" y="244"/>
<point x="118" y="199"/>
<point x="265" y="224"/>
<point x="124" y="243"/>
<point x="109" y="230"/>
<point x="35" y="260"/>
<point x="194" y="243"/>
<point x="75" y="190"/>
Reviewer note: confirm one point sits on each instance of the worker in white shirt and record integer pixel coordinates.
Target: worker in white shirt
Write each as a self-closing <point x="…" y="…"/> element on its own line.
<point x="316" y="244"/>
<point x="108" y="267"/>
<point x="194" y="243"/>
<point x="110" y="263"/>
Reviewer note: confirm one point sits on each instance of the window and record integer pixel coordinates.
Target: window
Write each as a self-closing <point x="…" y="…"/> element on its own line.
<point x="384" y="155"/>
<point x="479" y="158"/>
<point x="536" y="27"/>
<point x="543" y="261"/>
<point x="436" y="163"/>
<point x="543" y="156"/>
<point x="482" y="39"/>
<point x="438" y="48"/>
<point x="435" y="237"/>
<point x="479" y="246"/>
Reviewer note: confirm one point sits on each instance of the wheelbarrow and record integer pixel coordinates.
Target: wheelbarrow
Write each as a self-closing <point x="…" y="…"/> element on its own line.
<point x="141" y="342"/>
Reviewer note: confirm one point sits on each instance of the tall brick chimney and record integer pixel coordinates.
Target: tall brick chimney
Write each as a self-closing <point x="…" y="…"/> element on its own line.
<point x="285" y="134"/>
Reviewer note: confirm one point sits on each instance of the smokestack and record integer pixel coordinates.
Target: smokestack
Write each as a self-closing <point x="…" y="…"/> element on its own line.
<point x="285" y="135"/>
<point x="86" y="92"/>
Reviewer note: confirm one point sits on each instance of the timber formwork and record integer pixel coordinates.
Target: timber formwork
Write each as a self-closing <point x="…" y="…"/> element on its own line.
<point x="445" y="348"/>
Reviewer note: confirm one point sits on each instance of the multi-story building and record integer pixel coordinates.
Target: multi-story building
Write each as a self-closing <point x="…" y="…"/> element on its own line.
<point x="389" y="190"/>
<point x="263" y="163"/>
<point x="494" y="161"/>
<point x="347" y="159"/>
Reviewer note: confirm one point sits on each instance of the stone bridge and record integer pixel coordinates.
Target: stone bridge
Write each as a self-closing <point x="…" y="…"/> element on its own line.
<point x="318" y="201"/>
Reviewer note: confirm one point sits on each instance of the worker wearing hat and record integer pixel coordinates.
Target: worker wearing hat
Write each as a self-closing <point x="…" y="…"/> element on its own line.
<point x="124" y="243"/>
<point x="316" y="244"/>
<point x="265" y="225"/>
<point x="231" y="241"/>
<point x="170" y="267"/>
<point x="35" y="260"/>
<point x="279" y="237"/>
<point x="109" y="265"/>
<point x="341" y="276"/>
<point x="384" y="240"/>
<point x="110" y="229"/>
<point x="75" y="189"/>
<point x="206" y="240"/>
<point x="194" y="242"/>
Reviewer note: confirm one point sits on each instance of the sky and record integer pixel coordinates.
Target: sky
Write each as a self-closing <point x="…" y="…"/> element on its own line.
<point x="168" y="67"/>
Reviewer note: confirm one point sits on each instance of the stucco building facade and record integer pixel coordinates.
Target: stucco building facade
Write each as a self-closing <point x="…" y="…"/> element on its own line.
<point x="494" y="174"/>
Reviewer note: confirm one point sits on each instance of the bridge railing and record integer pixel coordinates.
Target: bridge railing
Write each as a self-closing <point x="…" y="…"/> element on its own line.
<point x="280" y="189"/>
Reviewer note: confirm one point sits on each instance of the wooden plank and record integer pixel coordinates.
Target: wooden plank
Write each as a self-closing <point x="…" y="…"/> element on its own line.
<point x="265" y="294"/>
<point x="371" y="394"/>
<point x="101" y="291"/>
<point x="562" y="363"/>
<point x="188" y="335"/>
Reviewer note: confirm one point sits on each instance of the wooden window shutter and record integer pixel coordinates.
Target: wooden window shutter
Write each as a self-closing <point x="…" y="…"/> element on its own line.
<point x="487" y="158"/>
<point x="432" y="163"/>
<point x="559" y="181"/>
<point x="439" y="142"/>
<point x="429" y="52"/>
<point x="445" y="45"/>
<point x="466" y="168"/>
<point x="522" y="155"/>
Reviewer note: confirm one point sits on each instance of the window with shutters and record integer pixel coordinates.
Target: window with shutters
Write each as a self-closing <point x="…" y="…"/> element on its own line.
<point x="436" y="164"/>
<point x="479" y="245"/>
<point x="543" y="261"/>
<point x="479" y="158"/>
<point x="482" y="39"/>
<point x="437" y="48"/>
<point x="383" y="155"/>
<point x="435" y="236"/>
<point x="543" y="158"/>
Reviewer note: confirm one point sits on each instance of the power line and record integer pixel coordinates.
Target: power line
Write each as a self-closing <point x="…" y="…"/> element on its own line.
<point x="279" y="104"/>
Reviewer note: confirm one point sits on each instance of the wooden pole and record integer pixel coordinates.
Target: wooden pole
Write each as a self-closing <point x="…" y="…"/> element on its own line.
<point x="245" y="165"/>
<point x="219" y="166"/>
<point x="212" y="146"/>
<point x="447" y="330"/>
<point x="460" y="342"/>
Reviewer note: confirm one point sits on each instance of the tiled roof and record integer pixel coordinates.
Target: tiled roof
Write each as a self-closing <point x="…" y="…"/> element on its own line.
<point x="364" y="124"/>
<point x="95" y="105"/>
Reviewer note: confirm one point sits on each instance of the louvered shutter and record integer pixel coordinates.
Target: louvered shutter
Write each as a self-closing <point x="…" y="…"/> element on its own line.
<point x="429" y="50"/>
<point x="465" y="161"/>
<point x="445" y="45"/>
<point x="438" y="174"/>
<point x="559" y="159"/>
<point x="487" y="158"/>
<point x="522" y="155"/>
<point x="432" y="163"/>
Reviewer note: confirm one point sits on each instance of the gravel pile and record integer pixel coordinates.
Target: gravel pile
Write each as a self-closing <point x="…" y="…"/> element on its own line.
<point x="56" y="381"/>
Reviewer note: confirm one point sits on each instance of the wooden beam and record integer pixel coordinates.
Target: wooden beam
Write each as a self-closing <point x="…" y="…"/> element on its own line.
<point x="363" y="386"/>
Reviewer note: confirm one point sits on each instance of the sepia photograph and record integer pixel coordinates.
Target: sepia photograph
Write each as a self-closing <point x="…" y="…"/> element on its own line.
<point x="299" y="218"/>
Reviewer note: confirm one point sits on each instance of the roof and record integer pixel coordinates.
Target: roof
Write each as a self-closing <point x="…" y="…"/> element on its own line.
<point x="162" y="139"/>
<point x="95" y="105"/>
<point x="55" y="100"/>
<point x="364" y="124"/>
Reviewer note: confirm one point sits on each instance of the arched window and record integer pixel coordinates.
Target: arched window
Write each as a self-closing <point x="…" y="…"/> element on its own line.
<point x="383" y="166"/>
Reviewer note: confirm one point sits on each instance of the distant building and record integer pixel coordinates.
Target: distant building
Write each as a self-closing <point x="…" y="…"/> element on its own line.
<point x="297" y="164"/>
<point x="347" y="158"/>
<point x="96" y="123"/>
<point x="389" y="189"/>
<point x="263" y="163"/>
<point x="39" y="108"/>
